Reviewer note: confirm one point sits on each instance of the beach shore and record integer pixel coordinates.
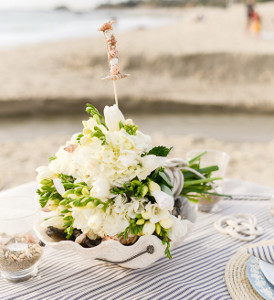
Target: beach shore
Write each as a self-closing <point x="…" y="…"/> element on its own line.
<point x="188" y="66"/>
<point x="211" y="65"/>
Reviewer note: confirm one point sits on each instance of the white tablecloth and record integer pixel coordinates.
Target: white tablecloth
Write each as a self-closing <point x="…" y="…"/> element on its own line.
<point x="196" y="270"/>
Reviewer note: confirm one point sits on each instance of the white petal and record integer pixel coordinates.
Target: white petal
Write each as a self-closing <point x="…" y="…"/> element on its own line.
<point x="113" y="116"/>
<point x="100" y="189"/>
<point x="148" y="228"/>
<point x="164" y="200"/>
<point x="149" y="164"/>
<point x="59" y="186"/>
<point x="55" y="222"/>
<point x="166" y="223"/>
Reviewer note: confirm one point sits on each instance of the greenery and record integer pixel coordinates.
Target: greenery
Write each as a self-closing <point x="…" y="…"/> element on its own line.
<point x="194" y="186"/>
<point x="160" y="151"/>
<point x="130" y="129"/>
<point x="77" y="194"/>
<point x="95" y="113"/>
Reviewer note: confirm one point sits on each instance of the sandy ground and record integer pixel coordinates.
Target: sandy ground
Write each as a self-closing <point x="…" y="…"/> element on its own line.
<point x="249" y="161"/>
<point x="213" y="63"/>
<point x="208" y="64"/>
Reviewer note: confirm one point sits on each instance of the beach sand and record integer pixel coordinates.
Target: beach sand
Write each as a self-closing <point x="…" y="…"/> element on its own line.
<point x="186" y="66"/>
<point x="183" y="66"/>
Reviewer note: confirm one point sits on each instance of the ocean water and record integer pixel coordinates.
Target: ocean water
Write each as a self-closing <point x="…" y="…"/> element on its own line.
<point x="19" y="27"/>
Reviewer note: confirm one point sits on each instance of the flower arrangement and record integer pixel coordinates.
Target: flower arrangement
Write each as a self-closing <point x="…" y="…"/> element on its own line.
<point x="109" y="185"/>
<point x="108" y="182"/>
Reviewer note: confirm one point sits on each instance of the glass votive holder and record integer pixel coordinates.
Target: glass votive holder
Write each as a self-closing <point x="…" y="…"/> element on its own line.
<point x="20" y="251"/>
<point x="210" y="158"/>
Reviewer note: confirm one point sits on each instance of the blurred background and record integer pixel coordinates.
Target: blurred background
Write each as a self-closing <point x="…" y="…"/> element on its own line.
<point x="202" y="76"/>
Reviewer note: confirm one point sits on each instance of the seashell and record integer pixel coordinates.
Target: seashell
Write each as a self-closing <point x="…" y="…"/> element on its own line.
<point x="116" y="77"/>
<point x="113" y="53"/>
<point x="114" y="70"/>
<point x="70" y="148"/>
<point x="145" y="251"/>
<point x="106" y="26"/>
<point x="113" y="41"/>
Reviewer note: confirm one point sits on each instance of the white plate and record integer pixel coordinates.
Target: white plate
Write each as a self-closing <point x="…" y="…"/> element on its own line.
<point x="257" y="279"/>
<point x="268" y="271"/>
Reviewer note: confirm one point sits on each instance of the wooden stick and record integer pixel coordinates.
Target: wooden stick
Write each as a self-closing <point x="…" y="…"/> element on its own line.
<point x="115" y="92"/>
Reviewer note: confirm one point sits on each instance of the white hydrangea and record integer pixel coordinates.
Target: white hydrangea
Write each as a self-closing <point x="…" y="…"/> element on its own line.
<point x="95" y="220"/>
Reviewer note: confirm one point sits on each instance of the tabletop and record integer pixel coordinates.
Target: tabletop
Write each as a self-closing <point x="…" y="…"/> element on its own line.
<point x="196" y="270"/>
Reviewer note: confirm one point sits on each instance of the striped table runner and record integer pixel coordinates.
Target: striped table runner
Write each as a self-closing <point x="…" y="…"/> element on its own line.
<point x="196" y="270"/>
<point x="264" y="252"/>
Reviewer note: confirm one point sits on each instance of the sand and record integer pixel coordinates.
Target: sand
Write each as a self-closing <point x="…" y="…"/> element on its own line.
<point x="186" y="66"/>
<point x="212" y="65"/>
<point x="249" y="161"/>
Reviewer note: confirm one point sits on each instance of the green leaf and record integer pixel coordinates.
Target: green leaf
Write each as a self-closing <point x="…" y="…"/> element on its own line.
<point x="165" y="178"/>
<point x="52" y="158"/>
<point x="199" y="181"/>
<point x="94" y="112"/>
<point x="160" y="151"/>
<point x="43" y="202"/>
<point x="166" y="189"/>
<point x="193" y="160"/>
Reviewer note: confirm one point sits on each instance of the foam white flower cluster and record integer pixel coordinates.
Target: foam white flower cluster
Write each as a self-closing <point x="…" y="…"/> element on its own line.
<point x="108" y="163"/>
<point x="109" y="154"/>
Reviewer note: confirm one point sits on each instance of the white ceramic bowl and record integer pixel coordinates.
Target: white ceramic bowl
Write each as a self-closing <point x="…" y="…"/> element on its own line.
<point x="141" y="254"/>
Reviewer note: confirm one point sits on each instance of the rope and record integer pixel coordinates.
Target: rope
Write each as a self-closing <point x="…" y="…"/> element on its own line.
<point x="173" y="168"/>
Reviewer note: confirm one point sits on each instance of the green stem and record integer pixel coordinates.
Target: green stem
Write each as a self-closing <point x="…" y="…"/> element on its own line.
<point x="199" y="181"/>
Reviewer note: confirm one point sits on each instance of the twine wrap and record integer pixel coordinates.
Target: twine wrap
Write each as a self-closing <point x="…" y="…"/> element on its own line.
<point x="112" y="52"/>
<point x="173" y="168"/>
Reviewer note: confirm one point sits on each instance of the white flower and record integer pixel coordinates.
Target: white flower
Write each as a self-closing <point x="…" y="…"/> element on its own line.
<point x="90" y="124"/>
<point x="114" y="224"/>
<point x="100" y="189"/>
<point x="164" y="200"/>
<point x="134" y="207"/>
<point x="155" y="213"/>
<point x="44" y="173"/>
<point x="148" y="228"/>
<point x="113" y="116"/>
<point x="128" y="158"/>
<point x="166" y="223"/>
<point x="178" y="230"/>
<point x="55" y="221"/>
<point x="149" y="164"/>
<point x="59" y="186"/>
<point x="153" y="186"/>
<point x="81" y="216"/>
<point x="95" y="221"/>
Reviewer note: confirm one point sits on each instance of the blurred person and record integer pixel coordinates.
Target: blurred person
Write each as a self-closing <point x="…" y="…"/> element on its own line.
<point x="250" y="11"/>
<point x="256" y="23"/>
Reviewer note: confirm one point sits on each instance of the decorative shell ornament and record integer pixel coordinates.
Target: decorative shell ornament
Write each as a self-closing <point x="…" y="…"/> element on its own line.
<point x="141" y="254"/>
<point x="111" y="196"/>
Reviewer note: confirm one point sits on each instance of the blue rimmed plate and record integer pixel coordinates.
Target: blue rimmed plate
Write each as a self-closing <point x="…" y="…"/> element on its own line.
<point x="268" y="271"/>
<point x="257" y="279"/>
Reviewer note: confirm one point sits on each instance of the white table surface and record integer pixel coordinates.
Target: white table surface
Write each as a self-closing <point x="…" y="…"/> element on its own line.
<point x="196" y="270"/>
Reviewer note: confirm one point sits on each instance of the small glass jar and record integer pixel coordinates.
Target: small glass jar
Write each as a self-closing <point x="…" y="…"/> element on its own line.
<point x="20" y="251"/>
<point x="212" y="157"/>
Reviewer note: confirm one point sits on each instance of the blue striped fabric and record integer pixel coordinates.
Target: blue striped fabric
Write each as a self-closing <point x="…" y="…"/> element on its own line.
<point x="195" y="272"/>
<point x="265" y="252"/>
